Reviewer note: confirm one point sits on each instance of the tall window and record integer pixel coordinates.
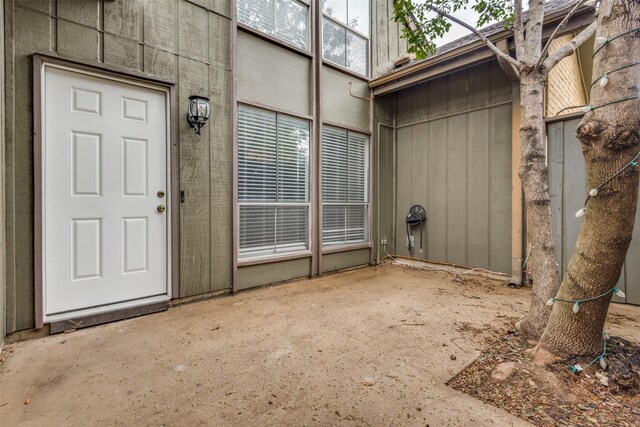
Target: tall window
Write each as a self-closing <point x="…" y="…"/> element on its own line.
<point x="345" y="33"/>
<point x="287" y="20"/>
<point x="345" y="184"/>
<point x="273" y="182"/>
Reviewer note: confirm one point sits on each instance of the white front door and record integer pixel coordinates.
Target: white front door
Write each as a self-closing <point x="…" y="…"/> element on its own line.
<point x="106" y="194"/>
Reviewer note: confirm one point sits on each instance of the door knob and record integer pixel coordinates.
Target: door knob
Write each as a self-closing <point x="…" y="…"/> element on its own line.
<point x="161" y="208"/>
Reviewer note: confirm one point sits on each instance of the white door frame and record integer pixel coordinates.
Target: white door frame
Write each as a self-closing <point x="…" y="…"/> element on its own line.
<point x="40" y="64"/>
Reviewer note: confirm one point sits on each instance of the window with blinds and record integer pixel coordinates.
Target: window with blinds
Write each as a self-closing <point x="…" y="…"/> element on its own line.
<point x="286" y="20"/>
<point x="345" y="184"/>
<point x="273" y="182"/>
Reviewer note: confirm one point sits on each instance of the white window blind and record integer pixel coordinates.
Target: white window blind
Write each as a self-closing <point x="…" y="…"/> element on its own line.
<point x="286" y="20"/>
<point x="273" y="182"/>
<point x="345" y="184"/>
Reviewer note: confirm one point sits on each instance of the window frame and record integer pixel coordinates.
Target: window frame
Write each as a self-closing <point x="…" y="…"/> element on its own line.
<point x="253" y="257"/>
<point x="347" y="29"/>
<point x="309" y="27"/>
<point x="346" y="245"/>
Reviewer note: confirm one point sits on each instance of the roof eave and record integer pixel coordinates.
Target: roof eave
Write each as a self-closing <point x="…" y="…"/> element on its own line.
<point x="394" y="79"/>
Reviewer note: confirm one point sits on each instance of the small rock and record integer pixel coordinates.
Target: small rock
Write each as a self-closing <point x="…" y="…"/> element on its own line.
<point x="368" y="381"/>
<point x="453" y="357"/>
<point x="604" y="380"/>
<point x="503" y="371"/>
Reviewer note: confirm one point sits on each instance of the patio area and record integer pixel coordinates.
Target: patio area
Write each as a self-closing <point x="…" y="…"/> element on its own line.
<point x="372" y="346"/>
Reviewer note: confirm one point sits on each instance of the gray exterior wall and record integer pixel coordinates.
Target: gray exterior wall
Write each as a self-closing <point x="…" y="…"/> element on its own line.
<point x="2" y="201"/>
<point x="187" y="42"/>
<point x="388" y="45"/>
<point x="259" y="59"/>
<point x="567" y="180"/>
<point x="453" y="157"/>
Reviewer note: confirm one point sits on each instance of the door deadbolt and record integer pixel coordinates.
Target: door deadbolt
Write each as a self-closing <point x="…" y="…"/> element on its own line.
<point x="160" y="194"/>
<point x="161" y="208"/>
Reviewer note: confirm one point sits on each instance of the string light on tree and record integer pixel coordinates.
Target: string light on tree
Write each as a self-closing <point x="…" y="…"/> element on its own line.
<point x="596" y="190"/>
<point x="604" y="80"/>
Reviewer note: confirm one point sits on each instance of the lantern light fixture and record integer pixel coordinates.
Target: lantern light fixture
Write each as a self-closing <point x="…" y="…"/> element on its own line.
<point x="198" y="113"/>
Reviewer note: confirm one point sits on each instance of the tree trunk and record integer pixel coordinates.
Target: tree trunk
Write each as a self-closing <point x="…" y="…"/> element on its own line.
<point x="542" y="264"/>
<point x="609" y="136"/>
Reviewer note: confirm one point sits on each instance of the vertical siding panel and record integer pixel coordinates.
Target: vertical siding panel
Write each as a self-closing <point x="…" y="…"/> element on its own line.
<point x="404" y="184"/>
<point x="500" y="225"/>
<point x="574" y="190"/>
<point x="420" y="182"/>
<point x="31" y="35"/>
<point x="437" y="97"/>
<point x="478" y="190"/>
<point x="222" y="7"/>
<point x="555" y="147"/>
<point x="394" y="35"/>
<point x="160" y="24"/>
<point x="121" y="52"/>
<point x="221" y="170"/>
<point x="436" y="200"/>
<point x="419" y="103"/>
<point x="121" y="18"/>
<point x="633" y="266"/>
<point x="219" y="41"/>
<point x="192" y="32"/>
<point x="567" y="179"/>
<point x="79" y="41"/>
<point x="41" y="5"/>
<point x="195" y="237"/>
<point x="387" y="199"/>
<point x="85" y="13"/>
<point x="456" y="187"/>
<point x="478" y="93"/>
<point x="404" y="107"/>
<point x="381" y="34"/>
<point x="456" y="92"/>
<point x="160" y="63"/>
<point x="499" y="84"/>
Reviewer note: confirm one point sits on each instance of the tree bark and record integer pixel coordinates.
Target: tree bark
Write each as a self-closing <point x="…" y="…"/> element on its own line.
<point x="609" y="136"/>
<point x="534" y="175"/>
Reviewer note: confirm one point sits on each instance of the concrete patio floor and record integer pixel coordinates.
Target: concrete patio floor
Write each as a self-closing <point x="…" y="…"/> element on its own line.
<point x="371" y="347"/>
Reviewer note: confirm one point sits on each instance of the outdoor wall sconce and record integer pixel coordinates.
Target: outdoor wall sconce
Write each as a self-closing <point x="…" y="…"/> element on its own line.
<point x="199" y="110"/>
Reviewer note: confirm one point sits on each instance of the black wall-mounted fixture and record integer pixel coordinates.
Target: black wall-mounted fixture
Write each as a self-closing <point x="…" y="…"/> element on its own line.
<point x="198" y="113"/>
<point x="417" y="216"/>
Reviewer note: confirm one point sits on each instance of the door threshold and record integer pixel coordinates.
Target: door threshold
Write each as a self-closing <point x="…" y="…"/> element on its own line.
<point x="92" y="317"/>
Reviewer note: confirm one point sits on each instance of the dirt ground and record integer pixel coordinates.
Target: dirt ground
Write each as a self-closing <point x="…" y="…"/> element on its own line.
<point x="368" y="347"/>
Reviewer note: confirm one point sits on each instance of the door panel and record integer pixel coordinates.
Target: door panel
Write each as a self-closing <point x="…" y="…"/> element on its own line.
<point x="105" y="160"/>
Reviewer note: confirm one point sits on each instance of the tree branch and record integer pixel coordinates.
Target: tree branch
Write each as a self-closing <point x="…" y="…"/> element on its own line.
<point x="570" y="47"/>
<point x="482" y="37"/>
<point x="561" y="25"/>
<point x="518" y="28"/>
<point x="513" y="74"/>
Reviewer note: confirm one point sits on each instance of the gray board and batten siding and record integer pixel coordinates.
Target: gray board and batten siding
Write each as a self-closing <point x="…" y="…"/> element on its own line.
<point x="189" y="43"/>
<point x="568" y="188"/>
<point x="180" y="41"/>
<point x="452" y="156"/>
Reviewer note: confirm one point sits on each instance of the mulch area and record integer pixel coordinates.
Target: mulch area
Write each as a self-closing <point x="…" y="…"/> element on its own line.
<point x="555" y="396"/>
